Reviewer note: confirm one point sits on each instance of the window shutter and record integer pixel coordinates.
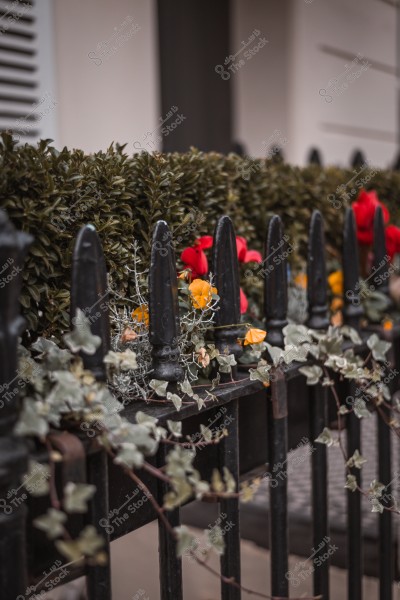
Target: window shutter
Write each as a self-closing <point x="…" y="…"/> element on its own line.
<point x="27" y="94"/>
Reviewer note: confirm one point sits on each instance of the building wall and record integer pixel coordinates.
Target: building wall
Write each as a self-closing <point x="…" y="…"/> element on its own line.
<point x="260" y="86"/>
<point x="105" y="98"/>
<point x="311" y="44"/>
<point x="326" y="37"/>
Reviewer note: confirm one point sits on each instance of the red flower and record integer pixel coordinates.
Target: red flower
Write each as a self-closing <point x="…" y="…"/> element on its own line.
<point x="364" y="210"/>
<point x="392" y="235"/>
<point x="245" y="255"/>
<point x="204" y="242"/>
<point x="244" y="303"/>
<point x="194" y="259"/>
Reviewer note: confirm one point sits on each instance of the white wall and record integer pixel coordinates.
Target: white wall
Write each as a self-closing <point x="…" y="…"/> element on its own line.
<point x="325" y="36"/>
<point x="105" y="98"/>
<point x="260" y="87"/>
<point x="310" y="44"/>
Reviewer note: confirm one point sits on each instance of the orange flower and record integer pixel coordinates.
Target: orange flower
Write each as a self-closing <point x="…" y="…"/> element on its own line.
<point x="141" y="314"/>
<point x="254" y="336"/>
<point x="201" y="292"/>
<point x="335" y="281"/>
<point x="301" y="280"/>
<point x="128" y="335"/>
<point x="336" y="304"/>
<point x="387" y="325"/>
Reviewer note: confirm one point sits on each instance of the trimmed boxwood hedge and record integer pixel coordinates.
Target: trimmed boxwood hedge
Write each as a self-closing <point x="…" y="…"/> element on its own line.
<point x="52" y="193"/>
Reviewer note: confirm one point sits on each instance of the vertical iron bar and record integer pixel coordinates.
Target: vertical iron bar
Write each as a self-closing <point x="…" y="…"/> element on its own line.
<point x="381" y="267"/>
<point x="230" y="524"/>
<point x="227" y="331"/>
<point x="89" y="293"/>
<point x="277" y="454"/>
<point x="275" y="304"/>
<point x="13" y="452"/>
<point x="164" y="336"/>
<point x="170" y="564"/>
<point x="353" y="312"/>
<point x="275" y="289"/>
<point x="318" y="319"/>
<point x="381" y="264"/>
<point x="386" y="550"/>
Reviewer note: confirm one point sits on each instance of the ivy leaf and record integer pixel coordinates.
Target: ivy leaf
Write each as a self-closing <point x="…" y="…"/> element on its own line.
<point x="81" y="337"/>
<point x="351" y="333"/>
<point x="247" y="492"/>
<point x="360" y="409"/>
<point x="226" y="362"/>
<point x="351" y="483"/>
<point x="378" y="347"/>
<point x="175" y="427"/>
<point x="215" y="538"/>
<point x="261" y="373"/>
<point x="36" y="479"/>
<point x="185" y="387"/>
<point x="125" y="361"/>
<point x="88" y="543"/>
<point x="185" y="540"/>
<point x="295" y="353"/>
<point x="76" y="496"/>
<point x="376" y="488"/>
<point x="145" y="419"/>
<point x="200" y="400"/>
<point x="275" y="353"/>
<point x="295" y="335"/>
<point x="376" y="505"/>
<point x="51" y="523"/>
<point x="326" y="437"/>
<point x="229" y="481"/>
<point x="206" y="433"/>
<point x="30" y="421"/>
<point x="215" y="382"/>
<point x="129" y="455"/>
<point x="175" y="399"/>
<point x="216" y="482"/>
<point x="356" y="460"/>
<point x="313" y="374"/>
<point x="159" y="386"/>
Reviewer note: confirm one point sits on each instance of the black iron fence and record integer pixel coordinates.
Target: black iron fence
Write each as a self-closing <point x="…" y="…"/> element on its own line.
<point x="258" y="416"/>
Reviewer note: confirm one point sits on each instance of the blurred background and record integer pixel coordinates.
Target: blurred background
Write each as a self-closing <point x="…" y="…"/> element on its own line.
<point x="241" y="75"/>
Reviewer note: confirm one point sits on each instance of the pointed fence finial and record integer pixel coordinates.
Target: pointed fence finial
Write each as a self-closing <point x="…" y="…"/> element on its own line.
<point x="314" y="157"/>
<point x="226" y="280"/>
<point x="163" y="307"/>
<point x="316" y="275"/>
<point x="90" y="294"/>
<point x="275" y="288"/>
<point x="353" y="310"/>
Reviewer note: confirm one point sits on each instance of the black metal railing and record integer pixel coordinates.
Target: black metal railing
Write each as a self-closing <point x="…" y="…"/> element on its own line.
<point x="89" y="292"/>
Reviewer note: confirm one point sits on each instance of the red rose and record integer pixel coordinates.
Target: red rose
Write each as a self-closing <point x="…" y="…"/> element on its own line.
<point x="244" y="303"/>
<point x="392" y="235"/>
<point x="194" y="259"/>
<point x="364" y="211"/>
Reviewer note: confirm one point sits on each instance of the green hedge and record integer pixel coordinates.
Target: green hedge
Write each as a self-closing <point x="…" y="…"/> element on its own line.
<point x="51" y="194"/>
